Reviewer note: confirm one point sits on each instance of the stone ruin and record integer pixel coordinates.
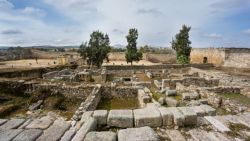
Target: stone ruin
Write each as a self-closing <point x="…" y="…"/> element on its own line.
<point x="176" y="104"/>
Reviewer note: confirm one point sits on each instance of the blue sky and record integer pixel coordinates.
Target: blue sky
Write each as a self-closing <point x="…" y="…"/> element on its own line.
<point x="215" y="23"/>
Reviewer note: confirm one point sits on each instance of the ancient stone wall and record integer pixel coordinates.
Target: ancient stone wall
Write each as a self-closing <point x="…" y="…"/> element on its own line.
<point x="108" y="92"/>
<point x="154" y="67"/>
<point x="237" y="57"/>
<point x="215" y="56"/>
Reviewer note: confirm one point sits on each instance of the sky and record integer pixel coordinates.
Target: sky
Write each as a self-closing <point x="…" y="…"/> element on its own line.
<point x="215" y="23"/>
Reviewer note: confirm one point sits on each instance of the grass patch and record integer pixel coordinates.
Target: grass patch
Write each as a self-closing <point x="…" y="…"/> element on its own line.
<point x="156" y="96"/>
<point x="118" y="103"/>
<point x="237" y="97"/>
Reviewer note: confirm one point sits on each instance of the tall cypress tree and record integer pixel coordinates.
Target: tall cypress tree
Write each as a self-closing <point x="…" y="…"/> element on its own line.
<point x="181" y="45"/>
<point x="132" y="53"/>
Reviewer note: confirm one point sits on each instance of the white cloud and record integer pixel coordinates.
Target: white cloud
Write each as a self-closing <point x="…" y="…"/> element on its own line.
<point x="247" y="31"/>
<point x="33" y="11"/>
<point x="157" y="21"/>
<point x="213" y="35"/>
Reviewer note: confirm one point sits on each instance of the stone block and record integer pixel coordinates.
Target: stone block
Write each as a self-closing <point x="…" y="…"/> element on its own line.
<point x="69" y="134"/>
<point x="101" y="116"/>
<point x="167" y="116"/>
<point x="12" y="124"/>
<point x="171" y="102"/>
<point x="55" y="131"/>
<point x="199" y="111"/>
<point x="88" y="126"/>
<point x="171" y="92"/>
<point x="190" y="96"/>
<point x="138" y="134"/>
<point x="189" y="114"/>
<point x="217" y="124"/>
<point x="120" y="118"/>
<point x="42" y="123"/>
<point x="179" y="118"/>
<point x="175" y="135"/>
<point x="85" y="116"/>
<point x="2" y="121"/>
<point x="100" y="136"/>
<point x="9" y="134"/>
<point x="147" y="117"/>
<point x="209" y="110"/>
<point x="28" y="135"/>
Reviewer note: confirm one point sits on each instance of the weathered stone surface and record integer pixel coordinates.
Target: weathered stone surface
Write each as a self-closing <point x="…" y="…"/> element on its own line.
<point x="138" y="134"/>
<point x="28" y="135"/>
<point x="27" y="122"/>
<point x="167" y="116"/>
<point x="2" y="121"/>
<point x="12" y="124"/>
<point x="171" y="102"/>
<point x="101" y="116"/>
<point x="199" y="111"/>
<point x="36" y="105"/>
<point x="147" y="117"/>
<point x="42" y="123"/>
<point x="201" y="135"/>
<point x="121" y="118"/>
<point x="189" y="114"/>
<point x="217" y="124"/>
<point x="219" y="136"/>
<point x="179" y="118"/>
<point x="175" y="135"/>
<point x="209" y="110"/>
<point x="100" y="136"/>
<point x="161" y="100"/>
<point x="69" y="134"/>
<point x="171" y="92"/>
<point x="9" y="134"/>
<point x="55" y="131"/>
<point x="190" y="96"/>
<point x="85" y="116"/>
<point x="88" y="126"/>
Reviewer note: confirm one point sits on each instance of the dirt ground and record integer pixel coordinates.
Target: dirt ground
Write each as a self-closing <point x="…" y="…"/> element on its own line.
<point x="29" y="63"/>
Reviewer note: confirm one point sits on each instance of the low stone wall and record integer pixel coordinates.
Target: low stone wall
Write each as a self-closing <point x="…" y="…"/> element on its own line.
<point x="109" y="92"/>
<point x="201" y="82"/>
<point x="167" y="66"/>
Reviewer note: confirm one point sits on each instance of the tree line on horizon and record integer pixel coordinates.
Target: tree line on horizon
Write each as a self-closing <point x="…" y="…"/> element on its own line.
<point x="96" y="50"/>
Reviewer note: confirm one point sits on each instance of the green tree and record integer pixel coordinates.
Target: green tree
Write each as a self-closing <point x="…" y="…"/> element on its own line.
<point x="132" y="54"/>
<point x="96" y="50"/>
<point x="181" y="45"/>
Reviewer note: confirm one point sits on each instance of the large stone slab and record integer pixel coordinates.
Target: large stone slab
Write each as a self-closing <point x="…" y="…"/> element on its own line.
<point x="2" y="121"/>
<point x="201" y="135"/>
<point x="9" y="134"/>
<point x="189" y="114"/>
<point x="28" y="135"/>
<point x="138" y="134"/>
<point x="217" y="124"/>
<point x="55" y="131"/>
<point x="179" y="118"/>
<point x="69" y="134"/>
<point x="171" y="92"/>
<point x="167" y="116"/>
<point x="88" y="126"/>
<point x="42" y="123"/>
<point x="199" y="111"/>
<point x="175" y="135"/>
<point x="85" y="116"/>
<point x="100" y="136"/>
<point x="12" y="124"/>
<point x="147" y="117"/>
<point x="219" y="136"/>
<point x="120" y="118"/>
<point x="209" y="110"/>
<point x="171" y="102"/>
<point x="101" y="116"/>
